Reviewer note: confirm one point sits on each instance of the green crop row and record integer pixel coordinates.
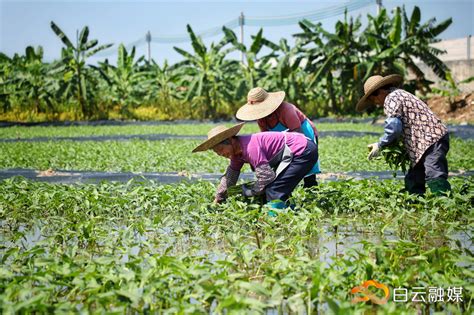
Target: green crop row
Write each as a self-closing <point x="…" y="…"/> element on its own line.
<point x="133" y="248"/>
<point x="177" y="129"/>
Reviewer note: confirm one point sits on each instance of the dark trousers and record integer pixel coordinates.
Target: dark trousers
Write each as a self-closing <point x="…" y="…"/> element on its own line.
<point x="282" y="187"/>
<point x="432" y="168"/>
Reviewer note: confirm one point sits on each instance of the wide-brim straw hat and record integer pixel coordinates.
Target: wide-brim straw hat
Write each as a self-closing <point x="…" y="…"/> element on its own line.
<point x="264" y="104"/>
<point x="217" y="135"/>
<point x="373" y="84"/>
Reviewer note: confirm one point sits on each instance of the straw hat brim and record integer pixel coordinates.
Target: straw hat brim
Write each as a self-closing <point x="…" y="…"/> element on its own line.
<point x="390" y="79"/>
<point x="250" y="112"/>
<point x="218" y="138"/>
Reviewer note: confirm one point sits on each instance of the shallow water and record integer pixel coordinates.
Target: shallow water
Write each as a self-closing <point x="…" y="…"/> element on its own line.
<point x="331" y="242"/>
<point x="73" y="177"/>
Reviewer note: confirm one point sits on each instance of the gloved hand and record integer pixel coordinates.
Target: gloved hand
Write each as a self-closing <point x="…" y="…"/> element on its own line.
<point x="374" y="150"/>
<point x="247" y="192"/>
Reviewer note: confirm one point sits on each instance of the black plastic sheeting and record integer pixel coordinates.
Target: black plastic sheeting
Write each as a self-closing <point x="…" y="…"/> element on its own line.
<point x="73" y="177"/>
<point x="465" y="132"/>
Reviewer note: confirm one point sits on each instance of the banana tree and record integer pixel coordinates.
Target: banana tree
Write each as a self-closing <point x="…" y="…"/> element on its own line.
<point x="332" y="59"/>
<point x="28" y="81"/>
<point x="163" y="87"/>
<point x="287" y="74"/>
<point x="424" y="35"/>
<point x="207" y="75"/>
<point x="127" y="82"/>
<point x="77" y="77"/>
<point x="256" y="67"/>
<point x="33" y="80"/>
<point x="6" y="87"/>
<point x="397" y="44"/>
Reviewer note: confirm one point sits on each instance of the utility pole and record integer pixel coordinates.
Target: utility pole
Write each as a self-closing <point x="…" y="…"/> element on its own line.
<point x="469" y="48"/>
<point x="379" y="6"/>
<point x="241" y="23"/>
<point x="148" y="40"/>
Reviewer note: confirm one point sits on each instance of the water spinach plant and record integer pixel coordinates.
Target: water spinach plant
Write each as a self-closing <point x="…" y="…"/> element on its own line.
<point x="396" y="156"/>
<point x="152" y="248"/>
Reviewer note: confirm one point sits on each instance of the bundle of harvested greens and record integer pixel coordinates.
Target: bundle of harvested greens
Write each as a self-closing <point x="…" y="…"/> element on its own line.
<point x="237" y="189"/>
<point x="396" y="157"/>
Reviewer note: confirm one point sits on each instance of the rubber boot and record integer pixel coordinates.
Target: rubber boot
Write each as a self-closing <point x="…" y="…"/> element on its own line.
<point x="310" y="181"/>
<point x="273" y="207"/>
<point x="438" y="186"/>
<point x="413" y="187"/>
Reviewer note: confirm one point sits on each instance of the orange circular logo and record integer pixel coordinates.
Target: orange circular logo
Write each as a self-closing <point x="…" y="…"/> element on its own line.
<point x="366" y="295"/>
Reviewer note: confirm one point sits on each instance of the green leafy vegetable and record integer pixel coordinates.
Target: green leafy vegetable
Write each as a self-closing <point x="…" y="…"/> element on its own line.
<point x="396" y="156"/>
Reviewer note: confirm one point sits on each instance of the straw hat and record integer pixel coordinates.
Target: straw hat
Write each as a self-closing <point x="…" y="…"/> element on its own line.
<point x="217" y="135"/>
<point x="373" y="84"/>
<point x="264" y="104"/>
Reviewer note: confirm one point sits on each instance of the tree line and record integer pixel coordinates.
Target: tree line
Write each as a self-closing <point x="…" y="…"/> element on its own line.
<point x="322" y="73"/>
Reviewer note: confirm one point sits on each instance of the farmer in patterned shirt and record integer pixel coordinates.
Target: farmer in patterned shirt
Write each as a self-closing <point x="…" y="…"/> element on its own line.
<point x="280" y="161"/>
<point x="425" y="137"/>
<point x="272" y="113"/>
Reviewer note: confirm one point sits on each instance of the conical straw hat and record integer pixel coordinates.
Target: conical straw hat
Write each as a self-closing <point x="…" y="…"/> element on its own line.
<point x="218" y="134"/>
<point x="373" y="84"/>
<point x="264" y="103"/>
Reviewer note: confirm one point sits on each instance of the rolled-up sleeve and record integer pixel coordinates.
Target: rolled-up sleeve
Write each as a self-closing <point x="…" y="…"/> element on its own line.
<point x="392" y="131"/>
<point x="229" y="179"/>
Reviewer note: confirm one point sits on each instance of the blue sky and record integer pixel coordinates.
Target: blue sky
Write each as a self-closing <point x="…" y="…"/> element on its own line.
<point x="24" y="23"/>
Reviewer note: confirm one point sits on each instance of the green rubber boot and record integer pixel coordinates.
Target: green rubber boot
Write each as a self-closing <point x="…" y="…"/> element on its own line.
<point x="439" y="186"/>
<point x="273" y="207"/>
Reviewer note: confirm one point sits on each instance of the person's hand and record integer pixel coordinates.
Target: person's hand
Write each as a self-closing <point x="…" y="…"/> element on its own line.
<point x="374" y="150"/>
<point x="217" y="201"/>
<point x="247" y="192"/>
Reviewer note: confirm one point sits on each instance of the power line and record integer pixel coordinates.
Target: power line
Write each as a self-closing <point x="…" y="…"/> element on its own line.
<point x="315" y="15"/>
<point x="203" y="34"/>
<point x="312" y="15"/>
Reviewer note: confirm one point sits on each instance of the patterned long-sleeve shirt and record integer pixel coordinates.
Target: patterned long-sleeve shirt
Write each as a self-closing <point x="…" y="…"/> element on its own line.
<point x="230" y="178"/>
<point x="263" y="173"/>
<point x="421" y="127"/>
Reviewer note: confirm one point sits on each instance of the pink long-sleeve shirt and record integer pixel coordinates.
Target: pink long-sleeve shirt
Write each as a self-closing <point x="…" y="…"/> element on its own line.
<point x="260" y="148"/>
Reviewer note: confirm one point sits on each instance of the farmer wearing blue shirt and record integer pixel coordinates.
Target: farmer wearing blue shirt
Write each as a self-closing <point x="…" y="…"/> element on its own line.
<point x="425" y="137"/>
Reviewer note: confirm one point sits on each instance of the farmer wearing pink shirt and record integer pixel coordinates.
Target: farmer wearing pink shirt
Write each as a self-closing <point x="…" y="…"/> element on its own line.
<point x="280" y="161"/>
<point x="272" y="113"/>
